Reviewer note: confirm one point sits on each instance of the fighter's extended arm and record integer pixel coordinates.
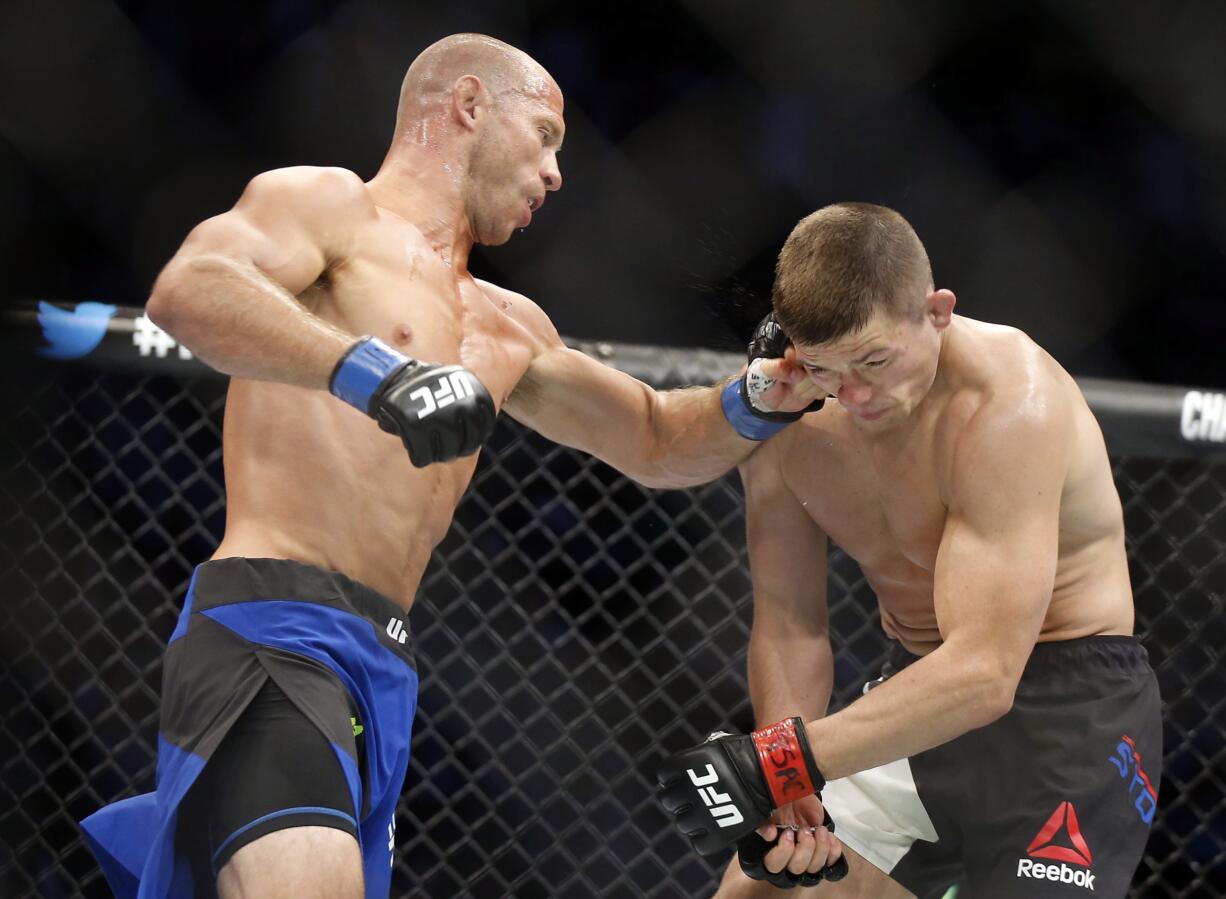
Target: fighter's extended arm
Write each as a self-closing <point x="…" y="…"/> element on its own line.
<point x="995" y="571"/>
<point x="229" y="293"/>
<point x="674" y="438"/>
<point x="230" y="296"/>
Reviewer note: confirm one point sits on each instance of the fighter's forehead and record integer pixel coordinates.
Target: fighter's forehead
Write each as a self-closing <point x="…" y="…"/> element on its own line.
<point x="543" y="99"/>
<point x="538" y="82"/>
<point x="538" y="86"/>
<point x="879" y="334"/>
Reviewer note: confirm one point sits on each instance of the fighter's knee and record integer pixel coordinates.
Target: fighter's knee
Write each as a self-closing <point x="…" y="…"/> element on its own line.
<point x="295" y="863"/>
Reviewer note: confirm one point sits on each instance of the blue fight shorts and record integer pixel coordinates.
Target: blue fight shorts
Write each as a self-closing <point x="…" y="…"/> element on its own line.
<point x="268" y="652"/>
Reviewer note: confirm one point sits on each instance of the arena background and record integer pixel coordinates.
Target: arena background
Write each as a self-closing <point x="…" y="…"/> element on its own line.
<point x="1062" y="161"/>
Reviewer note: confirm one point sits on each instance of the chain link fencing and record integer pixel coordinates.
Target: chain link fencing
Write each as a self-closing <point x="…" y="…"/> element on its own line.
<point x="572" y="628"/>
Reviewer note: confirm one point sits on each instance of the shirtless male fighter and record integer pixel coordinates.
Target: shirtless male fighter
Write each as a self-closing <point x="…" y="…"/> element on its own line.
<point x="289" y="688"/>
<point x="1014" y="742"/>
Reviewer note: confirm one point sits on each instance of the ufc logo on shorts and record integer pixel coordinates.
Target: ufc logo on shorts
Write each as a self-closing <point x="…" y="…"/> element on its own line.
<point x="397" y="631"/>
<point x="446" y="390"/>
<point x="720" y="804"/>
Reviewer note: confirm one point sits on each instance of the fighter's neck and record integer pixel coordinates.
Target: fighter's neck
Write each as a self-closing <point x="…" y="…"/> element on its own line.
<point x="425" y="193"/>
<point x="950" y="372"/>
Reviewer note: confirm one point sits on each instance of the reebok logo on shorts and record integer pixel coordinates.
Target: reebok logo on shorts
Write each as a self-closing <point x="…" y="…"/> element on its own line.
<point x="1043" y="846"/>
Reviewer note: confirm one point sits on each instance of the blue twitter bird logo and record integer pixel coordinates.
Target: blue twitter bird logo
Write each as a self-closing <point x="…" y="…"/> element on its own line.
<point x="71" y="335"/>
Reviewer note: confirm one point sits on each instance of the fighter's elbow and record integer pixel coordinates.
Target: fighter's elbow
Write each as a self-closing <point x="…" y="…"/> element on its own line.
<point x="670" y="471"/>
<point x="994" y="693"/>
<point x="999" y="701"/>
<point x="654" y="476"/>
<point x="180" y="302"/>
<point x="165" y="301"/>
<point x="174" y="301"/>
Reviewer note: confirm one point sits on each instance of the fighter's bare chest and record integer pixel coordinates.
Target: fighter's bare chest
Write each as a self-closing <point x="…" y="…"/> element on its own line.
<point x="886" y="512"/>
<point x="400" y="290"/>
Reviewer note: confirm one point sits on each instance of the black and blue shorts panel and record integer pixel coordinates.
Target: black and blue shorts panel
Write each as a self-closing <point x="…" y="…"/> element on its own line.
<point x="273" y="771"/>
<point x="282" y="734"/>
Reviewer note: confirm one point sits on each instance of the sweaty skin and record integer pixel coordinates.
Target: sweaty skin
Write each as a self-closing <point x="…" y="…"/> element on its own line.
<point x="313" y="479"/>
<point x="884" y="499"/>
<point x="274" y="292"/>
<point x="979" y="502"/>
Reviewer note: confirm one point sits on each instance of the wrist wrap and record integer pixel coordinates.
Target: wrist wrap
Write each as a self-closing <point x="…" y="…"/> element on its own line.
<point x="742" y="417"/>
<point x="787" y="762"/>
<point x="362" y="369"/>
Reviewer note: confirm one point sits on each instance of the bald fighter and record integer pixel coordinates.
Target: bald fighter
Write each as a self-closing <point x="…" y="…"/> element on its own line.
<point x="1013" y="743"/>
<point x="289" y="687"/>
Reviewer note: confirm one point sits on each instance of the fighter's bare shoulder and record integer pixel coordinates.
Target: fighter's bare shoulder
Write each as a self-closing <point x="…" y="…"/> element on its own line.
<point x="1012" y="397"/>
<point x="524" y="312"/>
<point x="293" y="223"/>
<point x="1008" y="374"/>
<point x="321" y="191"/>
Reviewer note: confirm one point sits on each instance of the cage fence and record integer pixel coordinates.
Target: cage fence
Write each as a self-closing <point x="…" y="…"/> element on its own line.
<point x="571" y="629"/>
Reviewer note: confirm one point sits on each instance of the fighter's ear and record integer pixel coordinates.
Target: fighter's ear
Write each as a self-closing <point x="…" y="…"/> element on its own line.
<point x="940" y="307"/>
<point x="467" y="96"/>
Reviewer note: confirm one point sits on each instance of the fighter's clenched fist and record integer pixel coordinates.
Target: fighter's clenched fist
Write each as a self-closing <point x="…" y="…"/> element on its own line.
<point x="773" y="391"/>
<point x="440" y="412"/>
<point x="797" y="848"/>
<point x="722" y="789"/>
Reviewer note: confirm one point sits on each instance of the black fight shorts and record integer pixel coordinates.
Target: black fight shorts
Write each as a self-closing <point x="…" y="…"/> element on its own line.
<point x="1054" y="799"/>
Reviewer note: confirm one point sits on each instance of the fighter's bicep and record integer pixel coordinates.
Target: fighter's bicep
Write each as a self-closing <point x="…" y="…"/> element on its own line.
<point x="286" y="255"/>
<point x="996" y="563"/>
<point x="291" y="224"/>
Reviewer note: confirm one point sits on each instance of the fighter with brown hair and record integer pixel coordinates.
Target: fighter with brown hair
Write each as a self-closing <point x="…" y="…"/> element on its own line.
<point x="289" y="686"/>
<point x="1012" y="742"/>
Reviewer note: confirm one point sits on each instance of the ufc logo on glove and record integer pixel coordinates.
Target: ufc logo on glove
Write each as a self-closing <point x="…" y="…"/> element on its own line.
<point x="446" y="390"/>
<point x="719" y="804"/>
<point x="400" y="393"/>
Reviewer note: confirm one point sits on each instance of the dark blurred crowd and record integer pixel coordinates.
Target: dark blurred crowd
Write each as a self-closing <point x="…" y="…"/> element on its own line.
<point x="1063" y="161"/>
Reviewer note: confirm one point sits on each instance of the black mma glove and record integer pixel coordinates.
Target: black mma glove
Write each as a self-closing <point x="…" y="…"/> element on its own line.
<point x="439" y="412"/>
<point x="741" y="397"/>
<point x="723" y="789"/>
<point x="752" y="849"/>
